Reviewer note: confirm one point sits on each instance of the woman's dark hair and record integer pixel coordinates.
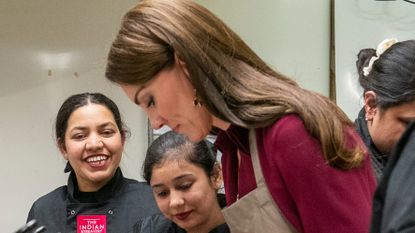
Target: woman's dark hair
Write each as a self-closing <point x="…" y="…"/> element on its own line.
<point x="79" y="100"/>
<point x="173" y="146"/>
<point x="392" y="77"/>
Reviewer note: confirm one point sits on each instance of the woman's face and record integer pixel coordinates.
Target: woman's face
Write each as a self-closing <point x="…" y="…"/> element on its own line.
<point x="168" y="100"/>
<point x="93" y="146"/>
<point x="186" y="195"/>
<point x="386" y="126"/>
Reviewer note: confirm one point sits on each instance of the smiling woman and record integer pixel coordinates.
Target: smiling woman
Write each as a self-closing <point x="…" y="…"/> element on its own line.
<point x="91" y="136"/>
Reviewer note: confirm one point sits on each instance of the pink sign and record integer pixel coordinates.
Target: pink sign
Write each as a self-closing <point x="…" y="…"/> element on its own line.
<point x="91" y="223"/>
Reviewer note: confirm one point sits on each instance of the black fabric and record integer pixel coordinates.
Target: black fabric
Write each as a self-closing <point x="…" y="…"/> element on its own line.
<point x="160" y="224"/>
<point x="68" y="167"/>
<point x="105" y="193"/>
<point x="221" y="199"/>
<point x="156" y="224"/>
<point x="378" y="159"/>
<point x="394" y="201"/>
<point x="122" y="200"/>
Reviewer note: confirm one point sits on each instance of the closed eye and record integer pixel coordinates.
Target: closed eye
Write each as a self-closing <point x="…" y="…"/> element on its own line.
<point x="108" y="132"/>
<point x="184" y="187"/>
<point x="406" y="121"/>
<point x="162" y="194"/>
<point x="150" y="102"/>
<point x="78" y="136"/>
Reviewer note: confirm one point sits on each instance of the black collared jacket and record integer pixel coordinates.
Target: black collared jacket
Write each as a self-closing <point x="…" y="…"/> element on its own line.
<point x="123" y="201"/>
<point x="160" y="224"/>
<point x="394" y="201"/>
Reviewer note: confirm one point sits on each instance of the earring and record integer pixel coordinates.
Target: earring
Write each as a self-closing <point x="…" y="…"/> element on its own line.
<point x="196" y="101"/>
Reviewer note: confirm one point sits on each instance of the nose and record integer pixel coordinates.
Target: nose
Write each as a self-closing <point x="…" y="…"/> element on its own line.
<point x="156" y="121"/>
<point x="94" y="142"/>
<point x="176" y="199"/>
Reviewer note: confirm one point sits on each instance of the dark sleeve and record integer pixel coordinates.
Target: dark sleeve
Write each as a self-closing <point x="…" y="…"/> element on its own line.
<point x="31" y="214"/>
<point x="398" y="213"/>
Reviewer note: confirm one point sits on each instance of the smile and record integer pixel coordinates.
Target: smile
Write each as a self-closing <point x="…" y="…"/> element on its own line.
<point x="97" y="161"/>
<point x="182" y="216"/>
<point x="96" y="158"/>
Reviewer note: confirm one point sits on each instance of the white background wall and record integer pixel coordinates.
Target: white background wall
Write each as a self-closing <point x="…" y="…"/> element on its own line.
<point x="364" y="24"/>
<point x="71" y="39"/>
<point x="292" y="36"/>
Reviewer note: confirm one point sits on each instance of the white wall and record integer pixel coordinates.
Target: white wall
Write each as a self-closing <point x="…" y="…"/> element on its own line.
<point x="71" y="38"/>
<point x="292" y="36"/>
<point x="364" y="24"/>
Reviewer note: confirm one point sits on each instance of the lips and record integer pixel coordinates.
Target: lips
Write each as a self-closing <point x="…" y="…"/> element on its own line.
<point x="97" y="160"/>
<point x="183" y="215"/>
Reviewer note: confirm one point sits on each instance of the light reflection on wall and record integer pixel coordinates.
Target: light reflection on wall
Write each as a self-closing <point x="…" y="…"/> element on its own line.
<point x="56" y="60"/>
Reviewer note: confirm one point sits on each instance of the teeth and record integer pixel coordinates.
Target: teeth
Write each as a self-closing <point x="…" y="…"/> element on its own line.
<point x="96" y="158"/>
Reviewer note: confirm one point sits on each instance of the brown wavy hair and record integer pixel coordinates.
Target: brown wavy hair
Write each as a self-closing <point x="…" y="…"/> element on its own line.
<point x="233" y="83"/>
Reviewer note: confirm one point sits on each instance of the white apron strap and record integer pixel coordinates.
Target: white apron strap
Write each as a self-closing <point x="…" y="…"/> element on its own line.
<point x="256" y="212"/>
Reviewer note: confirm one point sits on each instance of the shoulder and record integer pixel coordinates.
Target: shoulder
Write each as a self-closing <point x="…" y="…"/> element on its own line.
<point x="139" y="195"/>
<point x="135" y="184"/>
<point x="287" y="135"/>
<point x="288" y="147"/>
<point x="138" y="187"/>
<point x="53" y="198"/>
<point x="287" y="128"/>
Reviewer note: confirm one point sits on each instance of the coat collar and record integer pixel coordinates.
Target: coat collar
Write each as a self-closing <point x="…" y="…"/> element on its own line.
<point x="109" y="190"/>
<point x="236" y="135"/>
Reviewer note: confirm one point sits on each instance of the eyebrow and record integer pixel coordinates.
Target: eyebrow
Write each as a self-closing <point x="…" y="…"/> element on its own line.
<point x="174" y="180"/>
<point x="78" y="128"/>
<point x="109" y="123"/>
<point x="100" y="126"/>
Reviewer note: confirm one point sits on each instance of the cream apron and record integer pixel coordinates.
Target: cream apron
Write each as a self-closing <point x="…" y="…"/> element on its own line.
<point x="256" y="212"/>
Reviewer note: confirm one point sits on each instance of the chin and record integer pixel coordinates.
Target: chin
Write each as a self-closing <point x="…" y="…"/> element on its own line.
<point x="102" y="175"/>
<point x="100" y="179"/>
<point x="196" y="137"/>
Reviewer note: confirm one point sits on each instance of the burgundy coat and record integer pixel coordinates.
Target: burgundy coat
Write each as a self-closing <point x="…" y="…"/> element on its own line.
<point x="314" y="197"/>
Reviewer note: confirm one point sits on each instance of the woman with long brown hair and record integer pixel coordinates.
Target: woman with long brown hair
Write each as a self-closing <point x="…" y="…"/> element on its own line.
<point x="288" y="153"/>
